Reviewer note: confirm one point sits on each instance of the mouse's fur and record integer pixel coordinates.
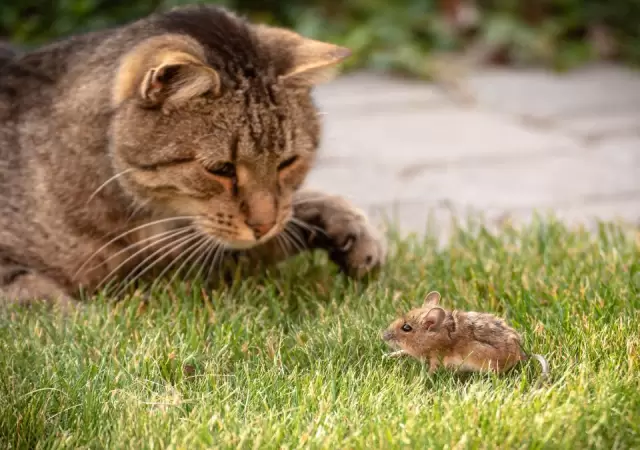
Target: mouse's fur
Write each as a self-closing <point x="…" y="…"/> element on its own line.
<point x="459" y="340"/>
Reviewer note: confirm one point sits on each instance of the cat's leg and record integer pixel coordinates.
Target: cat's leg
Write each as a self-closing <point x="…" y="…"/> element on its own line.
<point x="332" y="223"/>
<point x="20" y="285"/>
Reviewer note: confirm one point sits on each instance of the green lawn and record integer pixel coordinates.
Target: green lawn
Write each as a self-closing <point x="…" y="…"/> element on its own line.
<point x="295" y="359"/>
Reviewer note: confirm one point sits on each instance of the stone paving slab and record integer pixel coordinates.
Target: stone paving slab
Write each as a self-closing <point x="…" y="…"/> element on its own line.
<point x="589" y="91"/>
<point x="546" y="181"/>
<point x="535" y="183"/>
<point x="364" y="91"/>
<point x="536" y="141"/>
<point x="446" y="134"/>
<point x="599" y="127"/>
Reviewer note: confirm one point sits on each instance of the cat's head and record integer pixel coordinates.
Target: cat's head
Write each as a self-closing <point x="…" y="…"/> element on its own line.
<point x="214" y="120"/>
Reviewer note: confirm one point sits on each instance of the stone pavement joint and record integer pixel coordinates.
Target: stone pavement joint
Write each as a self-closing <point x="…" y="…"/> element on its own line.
<point x="535" y="141"/>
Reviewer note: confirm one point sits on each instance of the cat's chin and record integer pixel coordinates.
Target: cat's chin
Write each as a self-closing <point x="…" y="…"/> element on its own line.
<point x="246" y="244"/>
<point x="243" y="240"/>
<point x="242" y="245"/>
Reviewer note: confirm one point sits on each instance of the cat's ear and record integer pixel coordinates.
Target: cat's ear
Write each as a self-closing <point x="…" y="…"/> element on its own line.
<point x="178" y="78"/>
<point x="310" y="62"/>
<point x="315" y="62"/>
<point x="164" y="71"/>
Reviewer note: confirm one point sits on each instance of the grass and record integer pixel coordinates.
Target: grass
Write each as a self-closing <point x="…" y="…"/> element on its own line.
<point x="295" y="360"/>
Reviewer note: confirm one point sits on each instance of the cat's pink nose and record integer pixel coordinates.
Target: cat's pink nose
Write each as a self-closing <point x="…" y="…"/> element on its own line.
<point x="260" y="229"/>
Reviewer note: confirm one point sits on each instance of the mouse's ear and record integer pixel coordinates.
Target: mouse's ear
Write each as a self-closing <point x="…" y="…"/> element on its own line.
<point x="433" y="319"/>
<point x="432" y="298"/>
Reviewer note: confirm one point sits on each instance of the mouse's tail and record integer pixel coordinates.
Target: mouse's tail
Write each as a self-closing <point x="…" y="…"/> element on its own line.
<point x="543" y="362"/>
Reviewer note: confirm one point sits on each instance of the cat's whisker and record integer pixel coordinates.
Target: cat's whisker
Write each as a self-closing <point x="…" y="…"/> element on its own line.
<point x="307" y="199"/>
<point x="133" y="230"/>
<point x="292" y="240"/>
<point x="173" y="242"/>
<point x="185" y="252"/>
<point x="307" y="226"/>
<point x="103" y="185"/>
<point x="156" y="238"/>
<point x="283" y="239"/>
<point x="305" y="193"/>
<point x="279" y="240"/>
<point x="154" y="259"/>
<point x="197" y="252"/>
<point x="213" y="244"/>
<point x="137" y="208"/>
<point x="218" y="255"/>
<point x="206" y="262"/>
<point x="296" y="233"/>
<point x="291" y="243"/>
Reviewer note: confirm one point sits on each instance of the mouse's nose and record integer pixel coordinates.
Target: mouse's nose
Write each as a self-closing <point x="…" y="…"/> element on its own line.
<point x="260" y="229"/>
<point x="387" y="335"/>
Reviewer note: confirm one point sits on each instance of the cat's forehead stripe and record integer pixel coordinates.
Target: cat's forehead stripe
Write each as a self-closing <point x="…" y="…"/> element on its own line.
<point x="267" y="124"/>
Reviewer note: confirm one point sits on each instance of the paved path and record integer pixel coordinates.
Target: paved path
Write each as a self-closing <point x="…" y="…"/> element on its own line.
<point x="404" y="150"/>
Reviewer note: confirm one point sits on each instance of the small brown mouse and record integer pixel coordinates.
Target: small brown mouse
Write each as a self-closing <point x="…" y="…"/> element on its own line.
<point x="464" y="341"/>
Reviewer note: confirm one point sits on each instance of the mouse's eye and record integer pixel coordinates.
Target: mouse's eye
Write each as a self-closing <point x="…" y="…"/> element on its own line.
<point x="406" y="327"/>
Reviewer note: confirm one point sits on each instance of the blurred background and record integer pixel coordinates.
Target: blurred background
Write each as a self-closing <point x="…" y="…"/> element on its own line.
<point x="398" y="34"/>
<point x="449" y="107"/>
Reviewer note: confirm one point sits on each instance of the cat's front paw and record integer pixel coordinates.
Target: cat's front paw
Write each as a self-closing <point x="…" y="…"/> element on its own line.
<point x="357" y="246"/>
<point x="351" y="241"/>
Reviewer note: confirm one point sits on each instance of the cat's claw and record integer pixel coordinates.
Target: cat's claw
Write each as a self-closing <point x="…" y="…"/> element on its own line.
<point x="355" y="245"/>
<point x="358" y="246"/>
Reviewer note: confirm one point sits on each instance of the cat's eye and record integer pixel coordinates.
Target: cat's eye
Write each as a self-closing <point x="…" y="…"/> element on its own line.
<point x="406" y="328"/>
<point x="225" y="169"/>
<point x="287" y="163"/>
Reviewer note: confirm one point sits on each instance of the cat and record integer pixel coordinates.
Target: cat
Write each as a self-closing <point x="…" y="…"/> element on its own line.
<point x="177" y="140"/>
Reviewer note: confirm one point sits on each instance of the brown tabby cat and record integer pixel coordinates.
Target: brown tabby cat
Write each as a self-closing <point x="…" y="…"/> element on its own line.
<point x="164" y="144"/>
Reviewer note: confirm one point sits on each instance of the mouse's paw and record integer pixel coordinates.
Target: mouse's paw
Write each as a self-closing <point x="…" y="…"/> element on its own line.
<point x="396" y="354"/>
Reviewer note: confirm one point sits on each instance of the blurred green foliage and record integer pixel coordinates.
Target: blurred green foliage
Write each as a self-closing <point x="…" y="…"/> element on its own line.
<point x="386" y="34"/>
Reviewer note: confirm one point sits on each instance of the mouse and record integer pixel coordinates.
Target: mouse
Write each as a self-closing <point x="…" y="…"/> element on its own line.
<point x="465" y="341"/>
